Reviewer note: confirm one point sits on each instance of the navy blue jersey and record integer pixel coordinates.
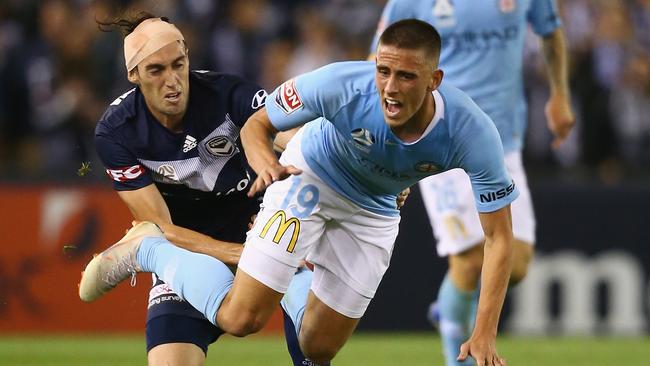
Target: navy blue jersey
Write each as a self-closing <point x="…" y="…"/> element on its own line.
<point x="201" y="172"/>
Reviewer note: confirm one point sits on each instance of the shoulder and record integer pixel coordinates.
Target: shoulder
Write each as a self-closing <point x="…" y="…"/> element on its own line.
<point x="227" y="87"/>
<point x="466" y="118"/>
<point x="349" y="77"/>
<point x="121" y="111"/>
<point x="214" y="80"/>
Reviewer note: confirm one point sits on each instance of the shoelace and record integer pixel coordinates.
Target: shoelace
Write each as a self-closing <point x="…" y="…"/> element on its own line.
<point x="118" y="271"/>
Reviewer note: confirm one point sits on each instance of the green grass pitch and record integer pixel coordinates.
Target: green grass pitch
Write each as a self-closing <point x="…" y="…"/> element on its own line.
<point x="377" y="349"/>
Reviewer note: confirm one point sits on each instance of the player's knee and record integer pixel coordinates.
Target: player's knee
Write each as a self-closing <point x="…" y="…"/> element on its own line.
<point x="318" y="353"/>
<point x="466" y="267"/>
<point x="521" y="262"/>
<point x="243" y="324"/>
<point x="320" y="350"/>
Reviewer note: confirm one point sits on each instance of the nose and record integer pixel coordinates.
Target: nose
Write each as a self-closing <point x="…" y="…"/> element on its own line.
<point x="391" y="85"/>
<point x="172" y="79"/>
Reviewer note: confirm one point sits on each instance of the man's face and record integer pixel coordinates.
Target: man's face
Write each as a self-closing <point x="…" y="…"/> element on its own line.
<point x="403" y="78"/>
<point x="163" y="78"/>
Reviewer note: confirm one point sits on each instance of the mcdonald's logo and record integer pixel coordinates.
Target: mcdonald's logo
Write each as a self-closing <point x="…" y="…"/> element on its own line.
<point x="282" y="229"/>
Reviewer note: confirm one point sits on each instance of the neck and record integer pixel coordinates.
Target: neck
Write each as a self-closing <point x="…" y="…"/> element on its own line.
<point x="415" y="127"/>
<point x="173" y="123"/>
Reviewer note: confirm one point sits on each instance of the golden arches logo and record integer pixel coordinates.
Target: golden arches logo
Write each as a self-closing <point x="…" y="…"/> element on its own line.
<point x="282" y="229"/>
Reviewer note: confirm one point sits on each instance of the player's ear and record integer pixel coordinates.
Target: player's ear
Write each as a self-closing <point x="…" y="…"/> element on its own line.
<point x="436" y="79"/>
<point x="133" y="76"/>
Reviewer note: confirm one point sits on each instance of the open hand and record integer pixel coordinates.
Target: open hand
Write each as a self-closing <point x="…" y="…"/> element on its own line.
<point x="271" y="174"/>
<point x="482" y="350"/>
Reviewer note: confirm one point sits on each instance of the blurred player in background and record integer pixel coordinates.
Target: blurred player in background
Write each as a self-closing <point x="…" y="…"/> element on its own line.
<point x="171" y="146"/>
<point x="482" y="55"/>
<point x="377" y="129"/>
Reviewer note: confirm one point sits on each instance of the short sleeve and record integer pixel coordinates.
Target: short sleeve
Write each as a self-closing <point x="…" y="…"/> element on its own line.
<point x="315" y="94"/>
<point x="247" y="98"/>
<point x="481" y="156"/>
<point x="121" y="165"/>
<point x="544" y="17"/>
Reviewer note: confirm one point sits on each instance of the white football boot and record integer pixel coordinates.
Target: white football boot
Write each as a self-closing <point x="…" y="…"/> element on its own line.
<point x="116" y="263"/>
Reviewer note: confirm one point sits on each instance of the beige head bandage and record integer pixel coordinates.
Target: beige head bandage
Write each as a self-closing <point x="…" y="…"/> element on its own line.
<point x="147" y="38"/>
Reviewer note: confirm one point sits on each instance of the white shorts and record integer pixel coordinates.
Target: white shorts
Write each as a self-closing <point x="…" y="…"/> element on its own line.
<point x="449" y="201"/>
<point x="302" y="218"/>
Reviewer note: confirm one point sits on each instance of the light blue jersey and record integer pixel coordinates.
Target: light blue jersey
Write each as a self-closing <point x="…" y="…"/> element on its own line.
<point x="482" y="50"/>
<point x="351" y="148"/>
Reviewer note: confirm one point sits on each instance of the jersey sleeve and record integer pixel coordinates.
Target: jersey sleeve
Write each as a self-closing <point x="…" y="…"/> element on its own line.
<point x="318" y="93"/>
<point x="544" y="17"/>
<point x="121" y="165"/>
<point x="247" y="98"/>
<point x="481" y="156"/>
<point x="393" y="11"/>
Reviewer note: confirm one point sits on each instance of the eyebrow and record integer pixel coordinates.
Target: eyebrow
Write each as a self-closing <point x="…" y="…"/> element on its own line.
<point x="161" y="66"/>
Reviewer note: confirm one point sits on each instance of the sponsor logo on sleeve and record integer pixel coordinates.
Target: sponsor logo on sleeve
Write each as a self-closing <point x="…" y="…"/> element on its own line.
<point x="259" y="99"/>
<point x="287" y="97"/>
<point x="496" y="195"/>
<point x="124" y="174"/>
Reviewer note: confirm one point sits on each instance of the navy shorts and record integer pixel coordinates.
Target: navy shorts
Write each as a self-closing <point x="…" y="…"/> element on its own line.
<point x="170" y="319"/>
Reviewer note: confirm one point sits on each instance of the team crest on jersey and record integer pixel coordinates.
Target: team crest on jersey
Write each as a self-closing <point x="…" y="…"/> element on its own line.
<point x="507" y="6"/>
<point x="443" y="11"/>
<point x="168" y="172"/>
<point x="362" y="137"/>
<point x="426" y="167"/>
<point x="220" y="146"/>
<point x="258" y="99"/>
<point x="287" y="97"/>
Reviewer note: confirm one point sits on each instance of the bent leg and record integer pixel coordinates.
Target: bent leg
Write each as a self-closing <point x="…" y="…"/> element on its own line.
<point x="176" y="354"/>
<point x="177" y="334"/>
<point x="522" y="255"/>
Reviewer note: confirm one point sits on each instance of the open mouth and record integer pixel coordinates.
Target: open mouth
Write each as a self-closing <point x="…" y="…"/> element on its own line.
<point x="173" y="97"/>
<point x="392" y="106"/>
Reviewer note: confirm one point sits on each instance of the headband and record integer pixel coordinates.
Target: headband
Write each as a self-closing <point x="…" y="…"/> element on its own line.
<point x="147" y="38"/>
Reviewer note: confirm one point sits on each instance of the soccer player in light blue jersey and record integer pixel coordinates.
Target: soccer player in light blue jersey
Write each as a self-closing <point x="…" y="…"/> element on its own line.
<point x="482" y="54"/>
<point x="375" y="128"/>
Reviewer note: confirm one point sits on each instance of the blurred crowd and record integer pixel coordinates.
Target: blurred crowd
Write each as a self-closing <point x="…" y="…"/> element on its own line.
<point x="58" y="72"/>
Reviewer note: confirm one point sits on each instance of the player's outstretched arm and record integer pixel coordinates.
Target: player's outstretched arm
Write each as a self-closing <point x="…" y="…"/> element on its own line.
<point x="147" y="204"/>
<point x="257" y="138"/>
<point x="559" y="114"/>
<point x="481" y="345"/>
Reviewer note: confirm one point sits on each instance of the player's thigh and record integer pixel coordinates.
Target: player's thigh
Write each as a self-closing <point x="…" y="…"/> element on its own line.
<point x="352" y="257"/>
<point x="450" y="205"/>
<point x="176" y="354"/>
<point x="285" y="229"/>
<point x="172" y="320"/>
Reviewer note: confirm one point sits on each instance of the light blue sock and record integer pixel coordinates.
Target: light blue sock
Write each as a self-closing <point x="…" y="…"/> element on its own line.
<point x="201" y="280"/>
<point x="294" y="300"/>
<point x="455" y="313"/>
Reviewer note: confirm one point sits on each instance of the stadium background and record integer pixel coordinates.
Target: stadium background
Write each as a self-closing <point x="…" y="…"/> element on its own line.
<point x="591" y="275"/>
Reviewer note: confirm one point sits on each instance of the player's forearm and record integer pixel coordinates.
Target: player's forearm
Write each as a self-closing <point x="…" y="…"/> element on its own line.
<point x="497" y="263"/>
<point x="226" y="252"/>
<point x="555" y="55"/>
<point x="257" y="138"/>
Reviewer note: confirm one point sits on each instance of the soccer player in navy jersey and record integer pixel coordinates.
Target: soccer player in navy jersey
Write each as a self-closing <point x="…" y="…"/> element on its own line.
<point x="370" y="129"/>
<point x="171" y="146"/>
<point x="482" y="54"/>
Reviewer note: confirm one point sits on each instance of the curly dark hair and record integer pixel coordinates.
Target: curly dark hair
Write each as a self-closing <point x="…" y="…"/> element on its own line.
<point x="126" y="23"/>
